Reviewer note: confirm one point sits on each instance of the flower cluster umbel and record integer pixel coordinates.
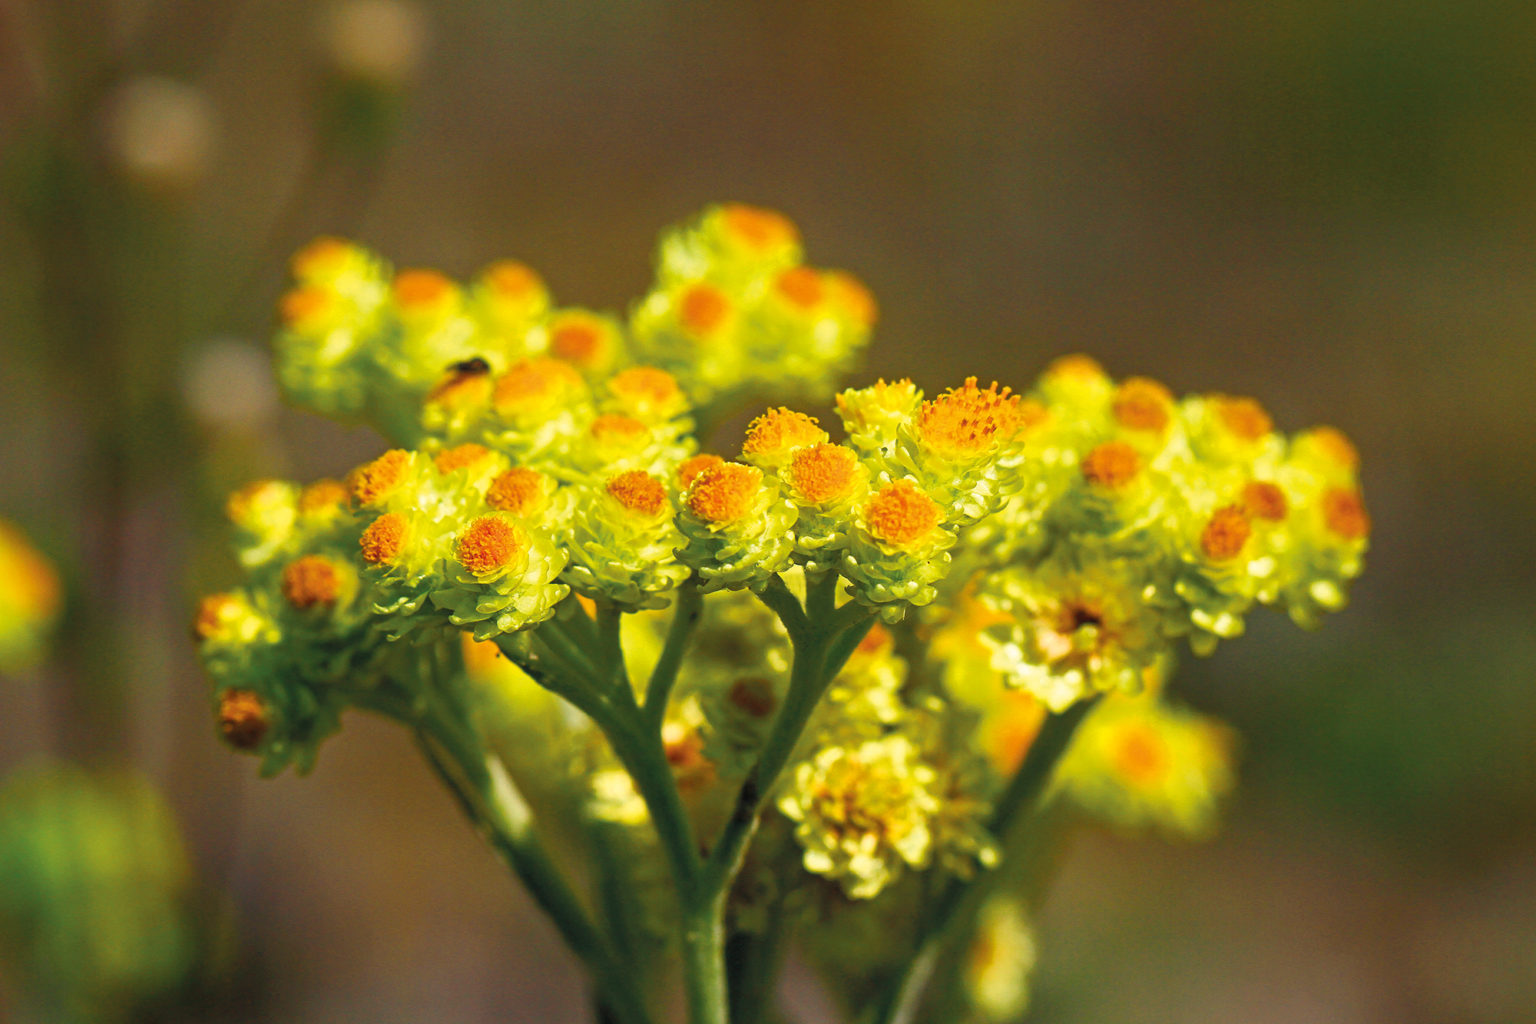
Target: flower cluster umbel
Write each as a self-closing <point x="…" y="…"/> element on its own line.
<point x="877" y="623"/>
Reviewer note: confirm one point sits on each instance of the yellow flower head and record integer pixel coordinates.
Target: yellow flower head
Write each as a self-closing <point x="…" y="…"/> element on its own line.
<point x="536" y="387"/>
<point x="900" y="515"/>
<point x="373" y="482"/>
<point x="490" y="544"/>
<point x="968" y="421"/>
<point x="724" y="492"/>
<point x="821" y="474"/>
<point x="774" y="436"/>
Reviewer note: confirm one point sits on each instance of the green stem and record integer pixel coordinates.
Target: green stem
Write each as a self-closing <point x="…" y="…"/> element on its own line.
<point x="945" y="921"/>
<point x="491" y="801"/>
<point x="785" y="605"/>
<point x="570" y="650"/>
<point x="636" y="741"/>
<point x="818" y="656"/>
<point x="610" y="623"/>
<point x="690" y="603"/>
<point x="752" y="961"/>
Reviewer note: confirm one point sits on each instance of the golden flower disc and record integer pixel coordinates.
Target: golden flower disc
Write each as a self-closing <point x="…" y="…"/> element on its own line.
<point x="969" y="419"/>
<point x="374" y="481"/>
<point x="1264" y="500"/>
<point x="638" y="491"/>
<point x="778" y="431"/>
<point x="901" y="514"/>
<point x="490" y="543"/>
<point x="758" y="228"/>
<point x="460" y="457"/>
<point x="1244" y="417"/>
<point x="689" y="469"/>
<point x="384" y="538"/>
<point x="310" y="581"/>
<point x="724" y="493"/>
<point x="519" y="490"/>
<point x="822" y="472"/>
<point x="1111" y="465"/>
<point x="1225" y="533"/>
<point x="1344" y="514"/>
<point x="1141" y="403"/>
<point x="702" y="308"/>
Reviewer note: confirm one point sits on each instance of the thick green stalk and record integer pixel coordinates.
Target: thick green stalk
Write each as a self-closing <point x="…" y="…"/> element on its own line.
<point x="956" y="907"/>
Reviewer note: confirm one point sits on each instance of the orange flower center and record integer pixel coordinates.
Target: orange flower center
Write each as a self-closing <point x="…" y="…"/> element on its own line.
<point x="1344" y="514"/>
<point x="877" y="641"/>
<point x="645" y="388"/>
<point x="1142" y="404"/>
<point x="577" y="340"/>
<point x="310" y="581"/>
<point x="724" y="493"/>
<point x="420" y="289"/>
<point x="823" y="472"/>
<point x="305" y="304"/>
<point x="1336" y="446"/>
<point x="374" y="481"/>
<point x="1226" y="533"/>
<point x="512" y="280"/>
<point x="242" y="718"/>
<point x="1244" y="417"/>
<point x="322" y="495"/>
<point x="490" y="543"/>
<point x="320" y="258"/>
<point x="689" y="469"/>
<point x="638" y="491"/>
<point x="460" y="457"/>
<point x="618" y="431"/>
<point x="702" y="308"/>
<point x="801" y="286"/>
<point x="534" y="385"/>
<point x="1264" y="500"/>
<point x="1111" y="465"/>
<point x="777" y="431"/>
<point x="384" y="539"/>
<point x="758" y="228"/>
<point x="1141" y="756"/>
<point x="969" y="419"/>
<point x="519" y="490"/>
<point x="901" y="514"/>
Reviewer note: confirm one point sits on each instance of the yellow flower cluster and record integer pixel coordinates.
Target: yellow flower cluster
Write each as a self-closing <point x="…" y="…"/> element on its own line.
<point x="923" y="588"/>
<point x="734" y="312"/>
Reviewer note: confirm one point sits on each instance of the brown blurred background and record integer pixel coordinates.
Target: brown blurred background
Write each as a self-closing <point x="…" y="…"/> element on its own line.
<point x="1329" y="204"/>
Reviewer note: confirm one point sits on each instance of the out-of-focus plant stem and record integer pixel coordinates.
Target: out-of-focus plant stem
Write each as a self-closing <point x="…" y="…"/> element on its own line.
<point x="949" y="917"/>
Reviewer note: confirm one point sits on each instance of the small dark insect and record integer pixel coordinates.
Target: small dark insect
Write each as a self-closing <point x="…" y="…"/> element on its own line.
<point x="470" y="367"/>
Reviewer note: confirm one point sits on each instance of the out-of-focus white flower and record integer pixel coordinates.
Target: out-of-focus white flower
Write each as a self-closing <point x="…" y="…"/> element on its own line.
<point x="227" y="383"/>
<point x="160" y="132"/>
<point x="380" y="41"/>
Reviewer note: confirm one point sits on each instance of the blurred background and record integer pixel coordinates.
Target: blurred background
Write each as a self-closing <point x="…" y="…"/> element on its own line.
<point x="1328" y="204"/>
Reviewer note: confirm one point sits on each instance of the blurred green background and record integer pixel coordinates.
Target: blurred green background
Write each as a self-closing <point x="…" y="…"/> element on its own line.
<point x="1328" y="204"/>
